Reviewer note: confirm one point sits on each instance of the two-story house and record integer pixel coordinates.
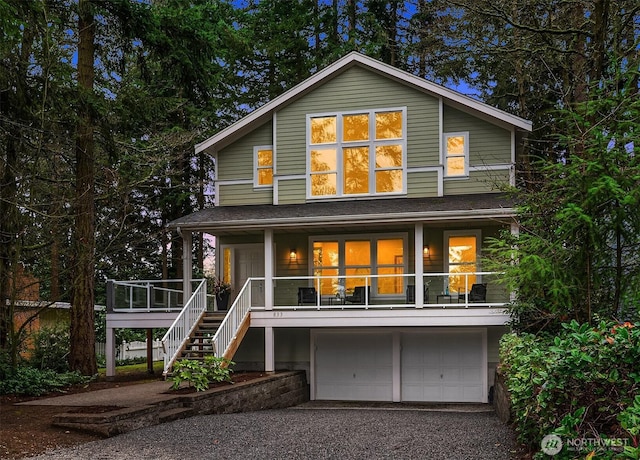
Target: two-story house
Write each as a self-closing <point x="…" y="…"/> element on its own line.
<point x="339" y="197"/>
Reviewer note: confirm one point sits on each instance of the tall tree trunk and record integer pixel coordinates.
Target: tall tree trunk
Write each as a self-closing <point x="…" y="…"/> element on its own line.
<point x="8" y="233"/>
<point x="13" y="103"/>
<point x="392" y="34"/>
<point x="82" y="355"/>
<point x="351" y="25"/>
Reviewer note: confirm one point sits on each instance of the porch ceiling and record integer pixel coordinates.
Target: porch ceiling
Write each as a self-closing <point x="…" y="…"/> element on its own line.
<point x="379" y="213"/>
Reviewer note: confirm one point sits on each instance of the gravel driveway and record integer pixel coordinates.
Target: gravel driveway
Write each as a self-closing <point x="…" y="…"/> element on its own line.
<point x="312" y="433"/>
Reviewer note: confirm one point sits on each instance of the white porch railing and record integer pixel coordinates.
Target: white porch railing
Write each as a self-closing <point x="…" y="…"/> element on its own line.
<point x="179" y="332"/>
<point x="443" y="290"/>
<point x="240" y="308"/>
<point x="146" y="295"/>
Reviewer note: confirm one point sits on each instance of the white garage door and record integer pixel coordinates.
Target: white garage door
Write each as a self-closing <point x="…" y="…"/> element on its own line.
<point x="443" y="367"/>
<point x="353" y="366"/>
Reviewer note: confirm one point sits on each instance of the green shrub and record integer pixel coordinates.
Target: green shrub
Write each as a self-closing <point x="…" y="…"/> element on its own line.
<point x="102" y="361"/>
<point x="579" y="384"/>
<point x="200" y="374"/>
<point x="51" y="349"/>
<point x="30" y="381"/>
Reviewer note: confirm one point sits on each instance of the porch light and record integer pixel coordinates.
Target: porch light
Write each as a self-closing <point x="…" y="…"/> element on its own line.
<point x="293" y="255"/>
<point x="425" y="251"/>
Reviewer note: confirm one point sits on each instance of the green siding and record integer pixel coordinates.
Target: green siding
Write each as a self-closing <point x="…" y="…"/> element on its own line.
<point x="421" y="184"/>
<point x="357" y="89"/>
<point x="478" y="182"/>
<point x="286" y="292"/>
<point x="488" y="143"/>
<point x="241" y="194"/>
<point x="361" y="89"/>
<point x="291" y="191"/>
<point x="236" y="161"/>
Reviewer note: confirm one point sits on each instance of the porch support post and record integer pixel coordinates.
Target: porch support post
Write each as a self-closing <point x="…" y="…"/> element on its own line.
<point x="110" y="352"/>
<point x="269" y="350"/>
<point x="187" y="265"/>
<point x="418" y="243"/>
<point x="268" y="269"/>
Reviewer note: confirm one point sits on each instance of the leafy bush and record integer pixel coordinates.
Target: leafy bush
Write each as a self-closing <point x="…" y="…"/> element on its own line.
<point x="102" y="361"/>
<point x="200" y="374"/>
<point x="30" y="381"/>
<point x="579" y="384"/>
<point x="51" y="349"/>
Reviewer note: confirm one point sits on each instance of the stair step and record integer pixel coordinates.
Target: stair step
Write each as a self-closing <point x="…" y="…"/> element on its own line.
<point x="175" y="414"/>
<point x="198" y="349"/>
<point x="197" y="358"/>
<point x="199" y="344"/>
<point x="214" y="316"/>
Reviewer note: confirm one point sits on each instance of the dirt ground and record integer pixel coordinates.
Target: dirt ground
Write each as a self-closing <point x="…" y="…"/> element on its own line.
<point x="27" y="430"/>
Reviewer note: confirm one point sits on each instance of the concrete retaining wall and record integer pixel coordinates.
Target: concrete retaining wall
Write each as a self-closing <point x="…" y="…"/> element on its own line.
<point x="270" y="392"/>
<point x="283" y="389"/>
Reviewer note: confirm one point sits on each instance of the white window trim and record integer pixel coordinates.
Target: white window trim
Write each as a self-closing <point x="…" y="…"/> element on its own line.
<point x="471" y="232"/>
<point x="341" y="239"/>
<point x="371" y="143"/>
<point x="256" y="167"/>
<point x="465" y="135"/>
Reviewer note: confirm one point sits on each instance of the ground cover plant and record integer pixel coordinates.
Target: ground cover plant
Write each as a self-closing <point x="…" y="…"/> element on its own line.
<point x="200" y="374"/>
<point x="581" y="384"/>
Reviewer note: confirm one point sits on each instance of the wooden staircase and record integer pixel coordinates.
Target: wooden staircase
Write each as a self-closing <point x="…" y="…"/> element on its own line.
<point x="199" y="344"/>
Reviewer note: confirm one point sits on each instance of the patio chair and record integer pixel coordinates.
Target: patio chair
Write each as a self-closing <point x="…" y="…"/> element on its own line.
<point x="358" y="296"/>
<point x="478" y="293"/>
<point x="411" y="293"/>
<point x="307" y="295"/>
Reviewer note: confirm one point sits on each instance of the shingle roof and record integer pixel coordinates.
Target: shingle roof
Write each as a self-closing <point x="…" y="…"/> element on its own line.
<point x="349" y="213"/>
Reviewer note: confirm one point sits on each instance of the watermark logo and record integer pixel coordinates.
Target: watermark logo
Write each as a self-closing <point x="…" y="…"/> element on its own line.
<point x="551" y="444"/>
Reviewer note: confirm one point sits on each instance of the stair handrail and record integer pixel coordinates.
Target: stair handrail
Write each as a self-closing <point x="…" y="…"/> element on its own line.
<point x="228" y="329"/>
<point x="187" y="320"/>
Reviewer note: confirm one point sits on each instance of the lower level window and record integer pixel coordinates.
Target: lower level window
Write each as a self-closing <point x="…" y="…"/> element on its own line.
<point x="462" y="260"/>
<point x="350" y="262"/>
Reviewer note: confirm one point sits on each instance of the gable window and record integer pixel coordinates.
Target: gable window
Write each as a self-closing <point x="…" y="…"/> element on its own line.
<point x="263" y="166"/>
<point x="463" y="259"/>
<point x="456" y="154"/>
<point x="347" y="262"/>
<point x="356" y="153"/>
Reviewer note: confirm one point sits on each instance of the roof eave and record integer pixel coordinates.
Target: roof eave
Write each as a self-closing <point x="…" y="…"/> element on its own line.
<point x="368" y="219"/>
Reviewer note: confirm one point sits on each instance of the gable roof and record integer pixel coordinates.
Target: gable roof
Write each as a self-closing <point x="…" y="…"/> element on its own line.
<point x="264" y="113"/>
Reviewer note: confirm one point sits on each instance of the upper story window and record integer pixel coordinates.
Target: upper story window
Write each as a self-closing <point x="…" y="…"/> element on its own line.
<point x="263" y="166"/>
<point x="356" y="153"/>
<point x="456" y="154"/>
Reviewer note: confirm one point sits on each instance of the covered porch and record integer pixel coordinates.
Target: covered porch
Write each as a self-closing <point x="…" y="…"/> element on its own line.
<point x="401" y="262"/>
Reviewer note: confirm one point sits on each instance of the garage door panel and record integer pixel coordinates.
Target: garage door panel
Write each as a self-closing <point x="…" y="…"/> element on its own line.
<point x="451" y="376"/>
<point x="451" y="367"/>
<point x="354" y="367"/>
